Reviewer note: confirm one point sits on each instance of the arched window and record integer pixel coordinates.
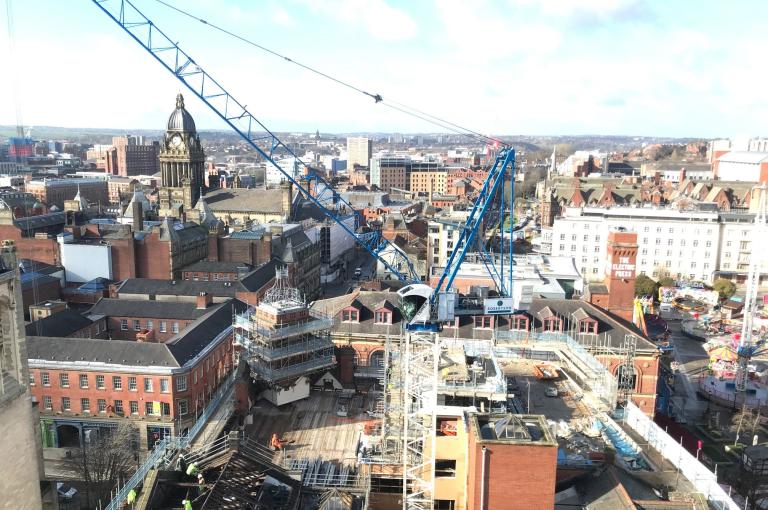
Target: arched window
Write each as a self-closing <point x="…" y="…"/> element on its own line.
<point x="377" y="359"/>
<point x="627" y="377"/>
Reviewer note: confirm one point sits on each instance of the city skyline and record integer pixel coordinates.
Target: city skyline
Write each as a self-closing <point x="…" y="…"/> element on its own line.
<point x="613" y="67"/>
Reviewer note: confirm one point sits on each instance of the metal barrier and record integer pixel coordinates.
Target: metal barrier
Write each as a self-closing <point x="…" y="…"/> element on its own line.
<point x="169" y="445"/>
<point x="702" y="478"/>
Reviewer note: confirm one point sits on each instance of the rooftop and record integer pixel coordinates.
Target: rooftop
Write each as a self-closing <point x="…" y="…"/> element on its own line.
<point x="140" y="308"/>
<point x="63" y="323"/>
<point x="512" y="428"/>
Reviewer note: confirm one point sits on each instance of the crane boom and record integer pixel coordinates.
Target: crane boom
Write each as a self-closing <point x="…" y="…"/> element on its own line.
<point x="322" y="194"/>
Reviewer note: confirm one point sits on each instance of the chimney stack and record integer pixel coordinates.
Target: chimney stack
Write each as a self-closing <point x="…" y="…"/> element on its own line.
<point x="138" y="216"/>
<point x="204" y="300"/>
<point x="286" y="192"/>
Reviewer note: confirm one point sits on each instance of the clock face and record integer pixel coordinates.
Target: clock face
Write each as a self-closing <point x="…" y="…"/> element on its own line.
<point x="176" y="141"/>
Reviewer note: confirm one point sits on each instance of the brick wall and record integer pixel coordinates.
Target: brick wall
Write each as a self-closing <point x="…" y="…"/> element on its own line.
<point x="518" y="476"/>
<point x="42" y="250"/>
<point x="117" y="333"/>
<point x="153" y="258"/>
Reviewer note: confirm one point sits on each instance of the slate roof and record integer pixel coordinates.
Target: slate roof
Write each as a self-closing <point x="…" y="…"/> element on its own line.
<point x="244" y="200"/>
<point x="179" y="350"/>
<point x="141" y="308"/>
<point x="615" y="328"/>
<point x="63" y="323"/>
<point x="209" y="266"/>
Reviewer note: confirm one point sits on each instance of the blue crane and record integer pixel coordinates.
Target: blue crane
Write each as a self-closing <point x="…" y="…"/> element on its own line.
<point x="312" y="184"/>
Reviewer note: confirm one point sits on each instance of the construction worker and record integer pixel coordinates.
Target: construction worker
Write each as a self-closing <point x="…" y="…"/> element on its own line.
<point x="131" y="499"/>
<point x="187" y="504"/>
<point x="200" y="484"/>
<point x="276" y="442"/>
<point x="192" y="470"/>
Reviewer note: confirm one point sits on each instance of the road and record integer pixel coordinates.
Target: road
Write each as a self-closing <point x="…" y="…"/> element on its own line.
<point x="365" y="262"/>
<point x="692" y="361"/>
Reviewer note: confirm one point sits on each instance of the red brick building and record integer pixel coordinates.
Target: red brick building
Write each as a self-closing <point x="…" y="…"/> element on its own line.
<point x="128" y="319"/>
<point x="82" y="385"/>
<point x="510" y="467"/>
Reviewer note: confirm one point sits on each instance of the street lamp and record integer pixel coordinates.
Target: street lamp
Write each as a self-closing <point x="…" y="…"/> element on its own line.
<point x="528" y="407"/>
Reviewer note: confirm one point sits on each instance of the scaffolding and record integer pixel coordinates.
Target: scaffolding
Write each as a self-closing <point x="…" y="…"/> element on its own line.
<point x="282" y="338"/>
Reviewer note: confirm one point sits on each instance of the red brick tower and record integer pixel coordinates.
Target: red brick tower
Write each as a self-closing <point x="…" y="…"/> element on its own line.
<point x="620" y="272"/>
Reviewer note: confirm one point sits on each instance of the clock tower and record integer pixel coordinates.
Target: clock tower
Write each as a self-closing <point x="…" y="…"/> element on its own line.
<point x="182" y="162"/>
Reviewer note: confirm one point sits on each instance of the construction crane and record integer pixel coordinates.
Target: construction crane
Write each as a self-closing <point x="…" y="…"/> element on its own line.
<point x="747" y="348"/>
<point x="311" y="184"/>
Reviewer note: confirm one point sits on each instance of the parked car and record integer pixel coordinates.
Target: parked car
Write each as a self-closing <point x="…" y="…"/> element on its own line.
<point x="65" y="491"/>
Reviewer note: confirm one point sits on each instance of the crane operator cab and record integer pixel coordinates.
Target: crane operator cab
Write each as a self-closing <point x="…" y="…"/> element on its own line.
<point x="421" y="311"/>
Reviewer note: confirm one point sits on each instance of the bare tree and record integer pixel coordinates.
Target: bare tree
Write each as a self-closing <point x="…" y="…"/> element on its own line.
<point x="104" y="460"/>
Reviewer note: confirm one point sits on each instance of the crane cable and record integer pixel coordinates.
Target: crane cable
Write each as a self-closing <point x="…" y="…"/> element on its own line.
<point x="400" y="107"/>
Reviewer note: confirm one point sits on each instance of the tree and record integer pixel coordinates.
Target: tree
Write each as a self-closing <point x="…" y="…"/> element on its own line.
<point x="646" y="286"/>
<point x="666" y="282"/>
<point x="726" y="288"/>
<point x="106" y="458"/>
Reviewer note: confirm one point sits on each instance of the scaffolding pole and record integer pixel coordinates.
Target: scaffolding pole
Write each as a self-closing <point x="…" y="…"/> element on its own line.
<point x="419" y="370"/>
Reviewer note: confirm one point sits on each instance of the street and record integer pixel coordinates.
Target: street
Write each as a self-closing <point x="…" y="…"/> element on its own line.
<point x="692" y="360"/>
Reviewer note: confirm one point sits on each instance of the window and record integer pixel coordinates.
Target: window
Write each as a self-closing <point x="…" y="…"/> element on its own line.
<point x="562" y="247"/>
<point x="175" y="327"/>
<point x="586" y="226"/>
<point x="445" y="468"/>
<point x="597" y="239"/>
<point x="183" y="407"/>
<point x="562" y="237"/>
<point x="166" y="408"/>
<point x="100" y="382"/>
<point x="194" y="377"/>
<point x="706" y="254"/>
<point x="163" y="328"/>
<point x="668" y="263"/>
<point x="117" y="382"/>
<point x="596" y="260"/>
<point x="382" y="317"/>
<point x="594" y="270"/>
<point x="64" y="380"/>
<point x="47" y="402"/>
<point x="708" y="244"/>
<point x="669" y="253"/>
<point x="693" y="265"/>
<point x="627" y="377"/>
<point x="658" y="241"/>
<point x="102" y="405"/>
<point x="682" y="242"/>
<point x="584" y="260"/>
<point x="66" y="405"/>
<point x="84" y="381"/>
<point x="482" y="321"/>
<point x="124" y="324"/>
<point x="671" y="230"/>
<point x="118" y="407"/>
<point x="134" y="407"/>
<point x="584" y="248"/>
<point x="349" y="315"/>
<point x="85" y="405"/>
<point x="131" y="384"/>
<point x="646" y="229"/>
<point x="670" y="242"/>
<point x="729" y="243"/>
<point x="586" y="238"/>
<point x="597" y="249"/>
<point x="150" y="325"/>
<point x="695" y="243"/>
<point x="445" y="504"/>
<point x="181" y="383"/>
<point x="573" y="237"/>
<point x="645" y="251"/>
<point x="743" y="245"/>
<point x="706" y="266"/>
<point x="658" y="230"/>
<point x="148" y="408"/>
<point x="45" y="378"/>
<point x="727" y="255"/>
<point x="31" y="379"/>
<point x="136" y="325"/>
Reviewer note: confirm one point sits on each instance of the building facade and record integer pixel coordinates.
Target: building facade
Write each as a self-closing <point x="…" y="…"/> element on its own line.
<point x="129" y="156"/>
<point x="359" y="151"/>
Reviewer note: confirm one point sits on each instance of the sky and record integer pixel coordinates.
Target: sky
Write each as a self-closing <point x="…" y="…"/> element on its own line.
<point x="685" y="68"/>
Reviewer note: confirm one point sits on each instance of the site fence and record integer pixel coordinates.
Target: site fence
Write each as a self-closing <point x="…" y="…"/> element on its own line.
<point x="704" y="480"/>
<point x="168" y="446"/>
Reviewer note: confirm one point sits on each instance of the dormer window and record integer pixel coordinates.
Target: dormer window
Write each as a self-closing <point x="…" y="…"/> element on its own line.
<point x="383" y="317"/>
<point x="519" y="322"/>
<point x="483" y="322"/>
<point x="585" y="323"/>
<point x="350" y="315"/>
<point x="552" y="324"/>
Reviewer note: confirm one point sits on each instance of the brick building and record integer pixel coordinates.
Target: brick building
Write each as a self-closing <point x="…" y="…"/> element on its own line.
<point x="68" y="323"/>
<point x="128" y="319"/>
<point x="129" y="156"/>
<point x="206" y="270"/>
<point x="55" y="191"/>
<point x="86" y="385"/>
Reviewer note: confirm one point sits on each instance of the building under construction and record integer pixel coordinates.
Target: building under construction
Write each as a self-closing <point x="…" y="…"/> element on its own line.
<point x="284" y="343"/>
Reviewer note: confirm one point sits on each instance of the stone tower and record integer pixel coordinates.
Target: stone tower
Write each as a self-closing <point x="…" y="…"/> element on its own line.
<point x="182" y="164"/>
<point x="620" y="272"/>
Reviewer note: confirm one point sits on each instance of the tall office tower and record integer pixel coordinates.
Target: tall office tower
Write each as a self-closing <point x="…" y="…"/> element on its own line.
<point x="359" y="151"/>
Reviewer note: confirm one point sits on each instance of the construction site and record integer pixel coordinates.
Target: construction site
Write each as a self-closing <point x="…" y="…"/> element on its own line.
<point x="416" y="396"/>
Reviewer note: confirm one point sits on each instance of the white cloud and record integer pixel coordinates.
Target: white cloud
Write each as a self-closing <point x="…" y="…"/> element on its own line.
<point x="381" y="20"/>
<point x="281" y="17"/>
<point x="601" y="9"/>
